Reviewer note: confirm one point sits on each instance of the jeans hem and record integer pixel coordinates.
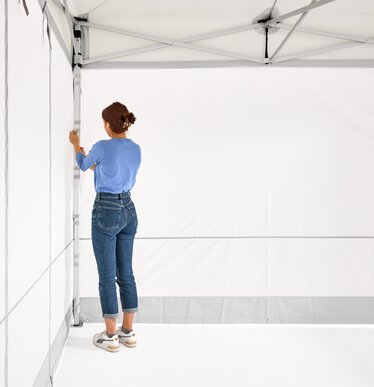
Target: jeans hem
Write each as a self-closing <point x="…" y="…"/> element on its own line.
<point x="108" y="315"/>
<point x="130" y="310"/>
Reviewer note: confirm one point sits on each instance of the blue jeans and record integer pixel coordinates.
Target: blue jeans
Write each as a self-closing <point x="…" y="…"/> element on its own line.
<point x="114" y="224"/>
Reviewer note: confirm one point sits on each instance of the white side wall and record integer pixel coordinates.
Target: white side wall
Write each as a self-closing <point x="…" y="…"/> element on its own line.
<point x="40" y="265"/>
<point x="232" y="158"/>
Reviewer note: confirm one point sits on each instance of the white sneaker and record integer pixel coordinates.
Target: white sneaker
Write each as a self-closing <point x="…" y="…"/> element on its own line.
<point x="110" y="344"/>
<point x="128" y="339"/>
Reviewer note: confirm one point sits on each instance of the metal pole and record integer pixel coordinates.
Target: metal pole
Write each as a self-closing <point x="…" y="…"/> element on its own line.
<point x="77" y="117"/>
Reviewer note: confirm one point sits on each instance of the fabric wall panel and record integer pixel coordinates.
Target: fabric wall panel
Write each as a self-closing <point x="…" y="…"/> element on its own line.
<point x="244" y="267"/>
<point x="62" y="105"/>
<point x="62" y="151"/>
<point x="29" y="184"/>
<point x="286" y="160"/>
<point x="28" y="336"/>
<point x="200" y="267"/>
<point x="319" y="155"/>
<point x="61" y="288"/>
<point x="208" y="177"/>
<point x="190" y="154"/>
<point x="238" y="153"/>
<point x="197" y="267"/>
<point x="317" y="268"/>
<point x="89" y="278"/>
<point x="28" y="150"/>
<point x="61" y="21"/>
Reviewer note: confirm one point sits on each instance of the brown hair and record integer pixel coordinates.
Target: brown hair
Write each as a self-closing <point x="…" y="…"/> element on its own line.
<point x="118" y="116"/>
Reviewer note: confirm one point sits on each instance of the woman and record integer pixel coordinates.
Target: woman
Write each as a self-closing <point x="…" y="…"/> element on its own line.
<point x="114" y="222"/>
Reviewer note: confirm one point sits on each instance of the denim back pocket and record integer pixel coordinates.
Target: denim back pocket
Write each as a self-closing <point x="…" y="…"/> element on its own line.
<point x="108" y="216"/>
<point x="132" y="211"/>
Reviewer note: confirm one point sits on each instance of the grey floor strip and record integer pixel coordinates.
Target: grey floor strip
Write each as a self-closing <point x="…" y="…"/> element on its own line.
<point x="241" y="310"/>
<point x="52" y="359"/>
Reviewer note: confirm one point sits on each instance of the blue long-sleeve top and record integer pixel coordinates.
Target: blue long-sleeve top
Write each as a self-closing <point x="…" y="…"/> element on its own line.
<point x="117" y="163"/>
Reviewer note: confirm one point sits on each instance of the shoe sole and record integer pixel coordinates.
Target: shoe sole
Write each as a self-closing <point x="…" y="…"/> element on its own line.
<point x="109" y="348"/>
<point x="129" y="345"/>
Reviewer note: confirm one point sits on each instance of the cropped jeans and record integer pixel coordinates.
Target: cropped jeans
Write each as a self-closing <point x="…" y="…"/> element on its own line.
<point x="114" y="224"/>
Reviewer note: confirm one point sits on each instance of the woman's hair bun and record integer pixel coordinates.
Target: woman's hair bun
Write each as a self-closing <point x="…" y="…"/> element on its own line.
<point x="118" y="117"/>
<point x="131" y="118"/>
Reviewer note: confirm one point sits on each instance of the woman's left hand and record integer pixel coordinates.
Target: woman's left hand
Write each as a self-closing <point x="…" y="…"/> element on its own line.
<point x="73" y="137"/>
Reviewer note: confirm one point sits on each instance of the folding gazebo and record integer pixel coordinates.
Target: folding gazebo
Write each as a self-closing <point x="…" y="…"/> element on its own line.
<point x="258" y="181"/>
<point x="225" y="34"/>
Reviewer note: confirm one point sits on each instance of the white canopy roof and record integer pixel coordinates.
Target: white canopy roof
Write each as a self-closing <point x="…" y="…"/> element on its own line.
<point x="147" y="33"/>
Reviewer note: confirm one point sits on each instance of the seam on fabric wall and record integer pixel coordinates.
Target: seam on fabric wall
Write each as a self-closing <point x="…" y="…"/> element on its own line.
<point x="50" y="208"/>
<point x="255" y="237"/>
<point x="6" y="188"/>
<point x="35" y="282"/>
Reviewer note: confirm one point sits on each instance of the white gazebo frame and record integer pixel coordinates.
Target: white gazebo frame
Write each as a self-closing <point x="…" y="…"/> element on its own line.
<point x="78" y="27"/>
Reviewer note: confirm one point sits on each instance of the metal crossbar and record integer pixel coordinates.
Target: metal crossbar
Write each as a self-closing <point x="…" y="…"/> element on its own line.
<point x="285" y="40"/>
<point x="187" y="42"/>
<point x="328" y="34"/>
<point x="304" y="54"/>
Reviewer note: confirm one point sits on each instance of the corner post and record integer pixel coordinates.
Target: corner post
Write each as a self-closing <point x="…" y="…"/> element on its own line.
<point x="77" y="64"/>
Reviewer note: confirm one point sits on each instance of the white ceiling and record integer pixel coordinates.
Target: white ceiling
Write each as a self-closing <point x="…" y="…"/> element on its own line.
<point x="172" y="21"/>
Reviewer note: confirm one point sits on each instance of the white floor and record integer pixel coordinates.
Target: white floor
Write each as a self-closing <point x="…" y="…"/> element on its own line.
<point x="257" y="355"/>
